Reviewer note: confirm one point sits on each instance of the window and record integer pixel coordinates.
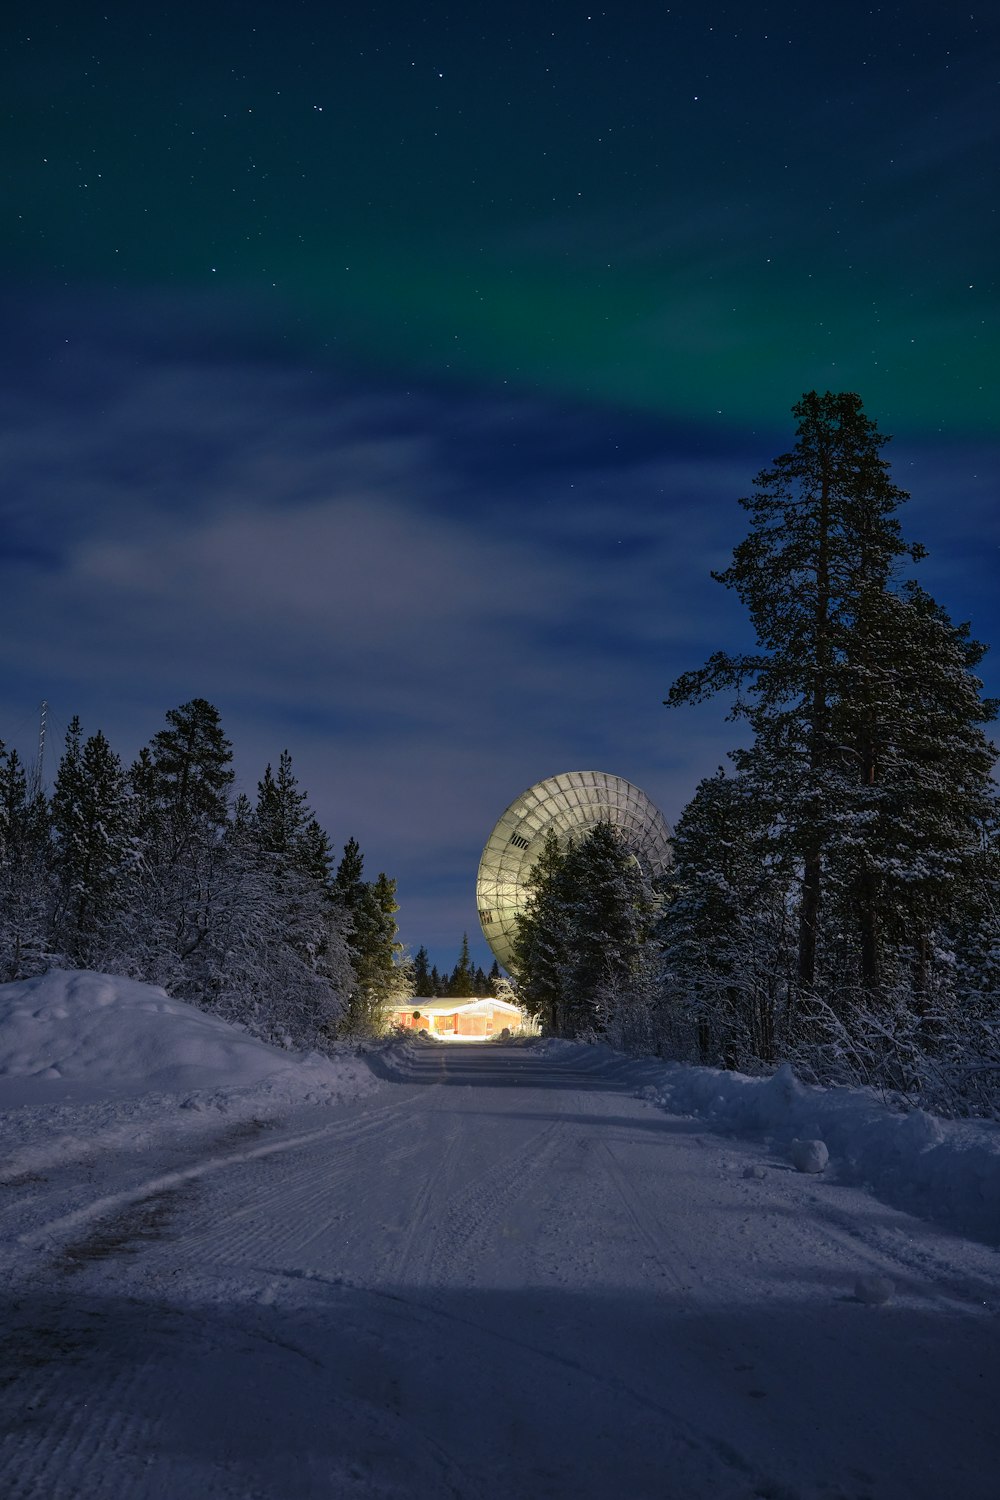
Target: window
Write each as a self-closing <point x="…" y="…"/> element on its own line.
<point x="519" y="842"/>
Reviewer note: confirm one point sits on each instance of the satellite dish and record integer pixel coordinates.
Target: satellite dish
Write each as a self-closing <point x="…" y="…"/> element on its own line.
<point x="570" y="804"/>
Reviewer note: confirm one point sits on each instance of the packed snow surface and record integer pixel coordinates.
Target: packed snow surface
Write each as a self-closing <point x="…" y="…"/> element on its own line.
<point x="478" y="1272"/>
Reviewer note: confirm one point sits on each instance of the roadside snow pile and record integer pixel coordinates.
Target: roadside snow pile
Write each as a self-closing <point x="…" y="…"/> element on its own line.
<point x="944" y="1170"/>
<point x="88" y="1060"/>
<point x="80" y="1026"/>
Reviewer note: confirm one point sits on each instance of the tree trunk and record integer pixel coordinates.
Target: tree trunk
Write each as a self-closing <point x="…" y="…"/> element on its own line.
<point x="867" y="915"/>
<point x="869" y="946"/>
<point x="808" y="920"/>
<point x="812" y="873"/>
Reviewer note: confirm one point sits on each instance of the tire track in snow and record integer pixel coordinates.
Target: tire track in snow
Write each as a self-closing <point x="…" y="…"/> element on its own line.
<point x="649" y="1227"/>
<point x="421" y="1241"/>
<point x="49" y="1234"/>
<point x="290" y="1205"/>
<point x="473" y="1217"/>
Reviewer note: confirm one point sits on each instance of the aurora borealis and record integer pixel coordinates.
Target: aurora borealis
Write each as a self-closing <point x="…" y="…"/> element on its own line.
<point x="449" y="336"/>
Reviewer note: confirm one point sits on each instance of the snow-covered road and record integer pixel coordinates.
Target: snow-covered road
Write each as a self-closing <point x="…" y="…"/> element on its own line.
<point x="502" y="1275"/>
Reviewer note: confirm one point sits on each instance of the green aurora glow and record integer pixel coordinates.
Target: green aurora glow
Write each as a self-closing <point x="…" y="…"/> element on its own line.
<point x="657" y="210"/>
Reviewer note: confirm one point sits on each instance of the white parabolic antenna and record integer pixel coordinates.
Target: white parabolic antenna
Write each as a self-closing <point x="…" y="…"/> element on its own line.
<point x="570" y="805"/>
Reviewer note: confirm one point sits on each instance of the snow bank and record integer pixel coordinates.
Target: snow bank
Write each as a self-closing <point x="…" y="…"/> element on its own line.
<point x="90" y="1061"/>
<point x="944" y="1170"/>
<point x="82" y="1026"/>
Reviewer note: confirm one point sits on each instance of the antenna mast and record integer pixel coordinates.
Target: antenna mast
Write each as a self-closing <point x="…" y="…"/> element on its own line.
<point x="43" y="714"/>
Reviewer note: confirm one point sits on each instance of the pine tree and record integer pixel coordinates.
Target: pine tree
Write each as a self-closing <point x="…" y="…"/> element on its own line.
<point x="609" y="908"/>
<point x="146" y="812"/>
<point x="286" y="826"/>
<point x="189" y="775"/>
<point x="867" y="766"/>
<point x="295" y="852"/>
<point x="315" y="853"/>
<point x="375" y="953"/>
<point x="494" y="978"/>
<point x="93" y="846"/>
<point x="727" y="946"/>
<point x="281" y="810"/>
<point x="461" y="984"/>
<point x="348" y="882"/>
<point x="422" y="981"/>
<point x="24" y="859"/>
<point x="179" y="790"/>
<point x="274" y="955"/>
<point x="243" y="814"/>
<point x="582" y="946"/>
<point x="540" y="938"/>
<point x="920" y="766"/>
<point x="824" y="537"/>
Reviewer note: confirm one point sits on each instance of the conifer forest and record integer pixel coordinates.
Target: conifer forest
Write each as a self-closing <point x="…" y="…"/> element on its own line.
<point x="156" y="872"/>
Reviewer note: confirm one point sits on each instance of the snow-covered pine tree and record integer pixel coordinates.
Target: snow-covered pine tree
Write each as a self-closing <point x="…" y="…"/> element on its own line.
<point x="904" y="856"/>
<point x="189" y="775"/>
<point x="728" y="950"/>
<point x="93" y="846"/>
<point x="287" y="827"/>
<point x="960" y="1072"/>
<point x="371" y="937"/>
<point x="867" y="751"/>
<point x="282" y="812"/>
<point x="608" y="906"/>
<point x="274" y="957"/>
<point x="239" y="919"/>
<point x="24" y="864"/>
<point x="823" y="536"/>
<point x="582" y="948"/>
<point x="296" y="852"/>
<point x="539" y="946"/>
<point x="180" y="788"/>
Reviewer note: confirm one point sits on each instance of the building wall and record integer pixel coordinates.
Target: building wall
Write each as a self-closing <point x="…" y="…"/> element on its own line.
<point x="474" y="1026"/>
<point x="405" y="1018"/>
<point x="486" y="1023"/>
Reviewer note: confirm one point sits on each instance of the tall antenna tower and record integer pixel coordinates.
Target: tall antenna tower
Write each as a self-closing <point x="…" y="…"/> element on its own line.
<point x="42" y="718"/>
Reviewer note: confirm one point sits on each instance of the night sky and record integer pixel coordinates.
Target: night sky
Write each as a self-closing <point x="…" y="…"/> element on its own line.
<point x="389" y="375"/>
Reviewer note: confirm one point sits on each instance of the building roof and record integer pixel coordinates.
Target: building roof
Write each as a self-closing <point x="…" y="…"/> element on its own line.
<point x="465" y="1007"/>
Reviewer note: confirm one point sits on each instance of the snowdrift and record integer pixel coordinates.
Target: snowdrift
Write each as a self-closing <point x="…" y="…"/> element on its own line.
<point x="944" y="1170"/>
<point x="81" y="1026"/>
<point x="90" y="1061"/>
